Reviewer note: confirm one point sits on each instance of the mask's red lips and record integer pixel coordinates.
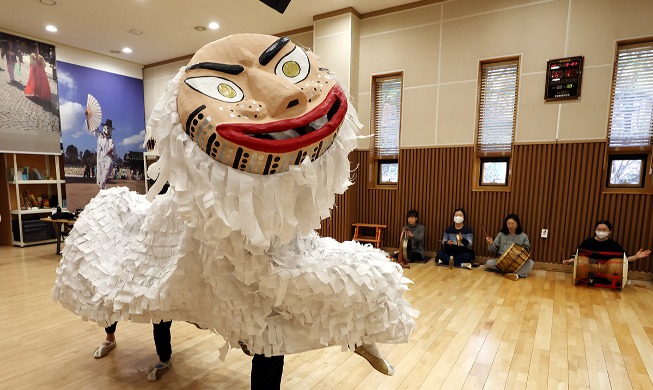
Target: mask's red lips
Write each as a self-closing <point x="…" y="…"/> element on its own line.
<point x="290" y="134"/>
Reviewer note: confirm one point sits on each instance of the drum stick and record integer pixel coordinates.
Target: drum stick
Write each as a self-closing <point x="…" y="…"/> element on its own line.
<point x="484" y="232"/>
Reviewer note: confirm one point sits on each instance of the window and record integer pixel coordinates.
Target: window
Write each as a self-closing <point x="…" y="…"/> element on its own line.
<point x="497" y="107"/>
<point x="386" y="124"/>
<point x="494" y="171"/>
<point x="630" y="131"/>
<point x="626" y="170"/>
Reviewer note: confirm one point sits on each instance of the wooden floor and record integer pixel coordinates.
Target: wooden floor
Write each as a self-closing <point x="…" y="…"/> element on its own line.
<point x="476" y="330"/>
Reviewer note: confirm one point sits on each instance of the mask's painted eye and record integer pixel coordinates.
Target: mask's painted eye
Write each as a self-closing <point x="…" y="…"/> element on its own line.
<point x="217" y="88"/>
<point x="295" y="65"/>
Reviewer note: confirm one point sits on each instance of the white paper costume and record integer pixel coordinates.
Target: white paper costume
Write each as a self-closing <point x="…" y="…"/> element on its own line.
<point x="253" y="137"/>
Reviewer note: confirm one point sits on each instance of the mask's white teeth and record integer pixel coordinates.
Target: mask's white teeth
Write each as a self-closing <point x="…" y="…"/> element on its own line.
<point x="318" y="123"/>
<point x="285" y="134"/>
<point x="292" y="133"/>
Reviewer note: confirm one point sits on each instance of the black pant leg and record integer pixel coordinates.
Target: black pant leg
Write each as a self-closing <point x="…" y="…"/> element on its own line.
<point x="161" y="332"/>
<point x="267" y="372"/>
<point x="111" y="329"/>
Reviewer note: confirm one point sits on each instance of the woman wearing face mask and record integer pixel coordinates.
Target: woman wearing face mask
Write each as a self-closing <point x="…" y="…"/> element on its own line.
<point x="511" y="233"/>
<point x="601" y="242"/>
<point x="457" y="242"/>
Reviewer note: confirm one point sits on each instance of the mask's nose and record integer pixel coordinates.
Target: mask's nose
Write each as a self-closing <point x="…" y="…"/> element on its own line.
<point x="283" y="98"/>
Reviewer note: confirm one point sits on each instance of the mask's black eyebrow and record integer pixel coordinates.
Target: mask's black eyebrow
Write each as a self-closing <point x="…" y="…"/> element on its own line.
<point x="269" y="53"/>
<point x="224" y="68"/>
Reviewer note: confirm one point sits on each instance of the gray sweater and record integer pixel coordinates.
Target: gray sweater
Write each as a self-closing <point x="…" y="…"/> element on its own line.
<point x="417" y="243"/>
<point x="503" y="242"/>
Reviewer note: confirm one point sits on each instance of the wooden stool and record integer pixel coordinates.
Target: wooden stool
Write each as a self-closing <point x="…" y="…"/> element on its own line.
<point x="376" y="238"/>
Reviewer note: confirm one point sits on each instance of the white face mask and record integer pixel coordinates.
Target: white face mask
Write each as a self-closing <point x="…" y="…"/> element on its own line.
<point x="601" y="234"/>
<point x="458" y="219"/>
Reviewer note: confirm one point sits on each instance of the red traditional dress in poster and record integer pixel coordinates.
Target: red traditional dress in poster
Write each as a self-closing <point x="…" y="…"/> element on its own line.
<point x="37" y="83"/>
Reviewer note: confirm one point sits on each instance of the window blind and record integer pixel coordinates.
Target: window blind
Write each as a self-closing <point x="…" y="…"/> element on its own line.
<point x="497" y="107"/>
<point x="386" y="115"/>
<point x="631" y="114"/>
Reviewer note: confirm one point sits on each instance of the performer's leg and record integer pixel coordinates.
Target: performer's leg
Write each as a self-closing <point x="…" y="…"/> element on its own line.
<point x="526" y="268"/>
<point x="161" y="333"/>
<point x="491" y="265"/>
<point x="441" y="258"/>
<point x="416" y="256"/>
<point x="463" y="258"/>
<point x="266" y="372"/>
<point x="109" y="342"/>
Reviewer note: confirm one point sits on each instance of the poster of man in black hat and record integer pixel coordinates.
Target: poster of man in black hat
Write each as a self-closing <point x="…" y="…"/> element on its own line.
<point x="103" y="132"/>
<point x="106" y="152"/>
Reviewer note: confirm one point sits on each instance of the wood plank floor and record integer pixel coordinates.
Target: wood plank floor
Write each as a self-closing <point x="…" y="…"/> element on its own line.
<point x="476" y="330"/>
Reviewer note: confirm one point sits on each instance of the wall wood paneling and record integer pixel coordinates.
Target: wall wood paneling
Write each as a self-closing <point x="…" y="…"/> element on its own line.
<point x="554" y="186"/>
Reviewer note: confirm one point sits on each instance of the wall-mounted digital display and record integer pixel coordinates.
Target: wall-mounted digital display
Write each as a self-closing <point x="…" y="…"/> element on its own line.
<point x="563" y="78"/>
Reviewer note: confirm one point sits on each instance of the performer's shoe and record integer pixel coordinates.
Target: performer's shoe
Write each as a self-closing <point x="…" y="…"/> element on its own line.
<point x="104" y="349"/>
<point x="371" y="353"/>
<point x="466" y="265"/>
<point x="511" y="276"/>
<point x="245" y="349"/>
<point x="158" y="371"/>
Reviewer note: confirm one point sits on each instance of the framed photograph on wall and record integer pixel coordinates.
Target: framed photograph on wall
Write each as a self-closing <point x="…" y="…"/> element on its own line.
<point x="29" y="101"/>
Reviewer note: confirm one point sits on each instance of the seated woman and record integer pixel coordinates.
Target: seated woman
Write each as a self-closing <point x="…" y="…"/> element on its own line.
<point x="511" y="233"/>
<point x="457" y="242"/>
<point x="603" y="247"/>
<point x="415" y="232"/>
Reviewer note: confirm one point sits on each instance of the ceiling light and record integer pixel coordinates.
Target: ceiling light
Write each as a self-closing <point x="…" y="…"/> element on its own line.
<point x="48" y="2"/>
<point x="126" y="50"/>
<point x="214" y="26"/>
<point x="135" y="31"/>
<point x="199" y="28"/>
<point x="51" y="28"/>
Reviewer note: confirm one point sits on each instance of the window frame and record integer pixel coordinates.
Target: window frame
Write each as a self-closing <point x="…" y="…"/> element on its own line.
<point x="480" y="156"/>
<point x="645" y="152"/>
<point x="375" y="160"/>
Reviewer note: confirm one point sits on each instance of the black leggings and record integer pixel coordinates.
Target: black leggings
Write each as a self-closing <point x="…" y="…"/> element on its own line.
<point x="267" y="372"/>
<point x="161" y="333"/>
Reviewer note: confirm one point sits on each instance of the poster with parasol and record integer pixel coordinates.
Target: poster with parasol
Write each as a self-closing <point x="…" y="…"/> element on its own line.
<point x="93" y="113"/>
<point x="91" y="100"/>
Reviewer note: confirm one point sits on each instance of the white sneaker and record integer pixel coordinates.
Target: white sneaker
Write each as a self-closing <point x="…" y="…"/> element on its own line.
<point x="466" y="265"/>
<point x="371" y="353"/>
<point x="158" y="371"/>
<point x="104" y="349"/>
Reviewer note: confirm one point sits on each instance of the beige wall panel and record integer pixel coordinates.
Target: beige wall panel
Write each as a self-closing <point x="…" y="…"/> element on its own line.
<point x="401" y="20"/>
<point x="463" y="8"/>
<point x="363" y="109"/>
<point x="304" y="39"/>
<point x="335" y="53"/>
<point x="537" y="120"/>
<point x="510" y="32"/>
<point x="597" y="24"/>
<point x="414" y="50"/>
<point x="155" y="82"/>
<point x="354" y="62"/>
<point x="587" y="118"/>
<point x="335" y="25"/>
<point x="418" y="116"/>
<point x="456" y="114"/>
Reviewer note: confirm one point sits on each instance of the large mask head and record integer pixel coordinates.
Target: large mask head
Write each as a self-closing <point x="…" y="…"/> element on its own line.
<point x="259" y="103"/>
